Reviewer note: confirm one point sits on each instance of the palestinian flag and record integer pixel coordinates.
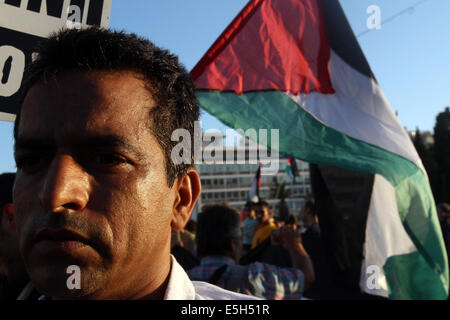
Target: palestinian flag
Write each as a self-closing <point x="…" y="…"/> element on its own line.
<point x="296" y="66"/>
<point x="291" y="169"/>
<point x="253" y="194"/>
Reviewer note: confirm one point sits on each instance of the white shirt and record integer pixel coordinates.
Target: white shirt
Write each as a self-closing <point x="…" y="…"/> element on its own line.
<point x="180" y="287"/>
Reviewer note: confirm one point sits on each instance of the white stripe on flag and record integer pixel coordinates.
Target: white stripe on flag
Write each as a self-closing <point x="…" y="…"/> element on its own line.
<point x="360" y="110"/>
<point x="385" y="234"/>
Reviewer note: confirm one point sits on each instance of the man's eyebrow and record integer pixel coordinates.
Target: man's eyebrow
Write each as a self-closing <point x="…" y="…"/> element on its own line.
<point x="85" y="141"/>
<point x="31" y="143"/>
<point x="106" y="141"/>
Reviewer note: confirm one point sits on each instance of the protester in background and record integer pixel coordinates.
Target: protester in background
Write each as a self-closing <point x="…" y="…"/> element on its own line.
<point x="323" y="287"/>
<point x="219" y="247"/>
<point x="264" y="248"/>
<point x="310" y="221"/>
<point x="249" y="225"/>
<point x="184" y="238"/>
<point x="96" y="183"/>
<point x="265" y="223"/>
<point x="183" y="250"/>
<point x="14" y="277"/>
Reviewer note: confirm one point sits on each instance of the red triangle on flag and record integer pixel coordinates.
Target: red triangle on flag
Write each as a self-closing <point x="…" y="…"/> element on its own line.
<point x="271" y="45"/>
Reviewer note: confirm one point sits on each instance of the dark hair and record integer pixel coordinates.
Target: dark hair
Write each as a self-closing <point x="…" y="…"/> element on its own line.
<point x="262" y="203"/>
<point x="97" y="49"/>
<point x="217" y="226"/>
<point x="6" y="186"/>
<point x="249" y="205"/>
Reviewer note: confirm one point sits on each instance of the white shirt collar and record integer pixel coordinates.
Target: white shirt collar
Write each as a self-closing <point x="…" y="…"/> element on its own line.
<point x="180" y="287"/>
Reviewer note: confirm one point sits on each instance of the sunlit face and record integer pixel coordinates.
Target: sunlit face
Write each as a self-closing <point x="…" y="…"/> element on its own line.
<point x="91" y="187"/>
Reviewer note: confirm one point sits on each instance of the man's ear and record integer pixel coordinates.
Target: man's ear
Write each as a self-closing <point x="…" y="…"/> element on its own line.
<point x="188" y="192"/>
<point x="8" y="218"/>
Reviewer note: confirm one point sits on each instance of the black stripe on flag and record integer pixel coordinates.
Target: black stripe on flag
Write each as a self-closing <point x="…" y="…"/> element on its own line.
<point x="342" y="39"/>
<point x="342" y="200"/>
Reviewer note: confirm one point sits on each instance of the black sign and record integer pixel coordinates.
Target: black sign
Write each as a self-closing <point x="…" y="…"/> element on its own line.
<point x="23" y="25"/>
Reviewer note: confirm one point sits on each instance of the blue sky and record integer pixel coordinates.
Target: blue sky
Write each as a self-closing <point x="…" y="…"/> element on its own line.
<point x="410" y="56"/>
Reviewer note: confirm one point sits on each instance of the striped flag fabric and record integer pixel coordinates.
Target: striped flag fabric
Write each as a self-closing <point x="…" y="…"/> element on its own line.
<point x="291" y="169"/>
<point x="296" y="66"/>
<point x="253" y="194"/>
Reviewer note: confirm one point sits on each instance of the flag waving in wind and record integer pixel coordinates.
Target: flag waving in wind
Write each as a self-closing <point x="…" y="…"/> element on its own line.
<point x="296" y="66"/>
<point x="291" y="169"/>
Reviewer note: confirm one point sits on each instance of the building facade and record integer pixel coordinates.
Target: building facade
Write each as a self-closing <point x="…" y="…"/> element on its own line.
<point x="231" y="182"/>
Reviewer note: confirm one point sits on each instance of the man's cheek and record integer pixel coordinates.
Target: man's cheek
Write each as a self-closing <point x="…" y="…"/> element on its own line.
<point x="22" y="209"/>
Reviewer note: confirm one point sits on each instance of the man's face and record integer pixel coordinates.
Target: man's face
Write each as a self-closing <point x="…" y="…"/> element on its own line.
<point x="91" y="187"/>
<point x="249" y="212"/>
<point x="262" y="214"/>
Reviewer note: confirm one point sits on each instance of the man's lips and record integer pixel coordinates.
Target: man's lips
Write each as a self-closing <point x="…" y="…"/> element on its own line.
<point x="59" y="241"/>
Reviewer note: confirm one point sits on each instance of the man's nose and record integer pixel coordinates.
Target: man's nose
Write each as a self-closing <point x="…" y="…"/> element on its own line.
<point x="66" y="185"/>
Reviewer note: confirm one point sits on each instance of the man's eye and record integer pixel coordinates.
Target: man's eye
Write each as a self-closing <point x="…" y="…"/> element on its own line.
<point x="30" y="163"/>
<point x="108" y="159"/>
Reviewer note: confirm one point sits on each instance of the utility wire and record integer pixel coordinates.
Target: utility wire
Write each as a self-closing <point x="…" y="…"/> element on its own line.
<point x="393" y="17"/>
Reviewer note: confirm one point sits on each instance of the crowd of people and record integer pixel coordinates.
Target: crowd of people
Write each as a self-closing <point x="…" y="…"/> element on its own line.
<point x="219" y="246"/>
<point x="260" y="256"/>
<point x="266" y="257"/>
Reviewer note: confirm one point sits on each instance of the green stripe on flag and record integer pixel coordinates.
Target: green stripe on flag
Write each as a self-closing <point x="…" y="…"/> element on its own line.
<point x="304" y="137"/>
<point x="409" y="278"/>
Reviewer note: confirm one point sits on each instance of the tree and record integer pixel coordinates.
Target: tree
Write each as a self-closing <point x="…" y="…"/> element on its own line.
<point x="427" y="155"/>
<point x="442" y="154"/>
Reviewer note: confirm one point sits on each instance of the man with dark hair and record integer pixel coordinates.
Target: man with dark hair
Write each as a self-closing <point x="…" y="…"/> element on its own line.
<point x="249" y="225"/>
<point x="96" y="188"/>
<point x="219" y="247"/>
<point x="311" y="231"/>
<point x="13" y="277"/>
<point x="265" y="223"/>
<point x="310" y="220"/>
<point x="323" y="287"/>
